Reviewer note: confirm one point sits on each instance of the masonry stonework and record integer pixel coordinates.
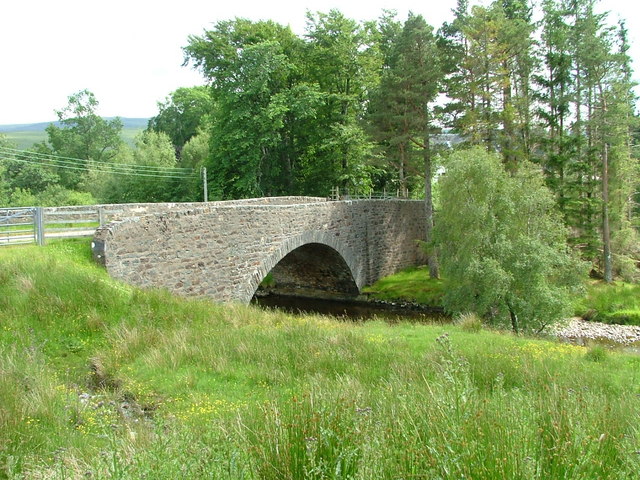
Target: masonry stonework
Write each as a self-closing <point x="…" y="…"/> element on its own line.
<point x="223" y="250"/>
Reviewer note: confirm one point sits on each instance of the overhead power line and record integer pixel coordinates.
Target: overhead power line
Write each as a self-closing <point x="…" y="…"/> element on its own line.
<point x="45" y="160"/>
<point x="96" y="162"/>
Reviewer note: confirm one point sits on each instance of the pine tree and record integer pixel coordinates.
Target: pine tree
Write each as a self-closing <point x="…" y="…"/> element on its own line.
<point x="404" y="106"/>
<point x="489" y="62"/>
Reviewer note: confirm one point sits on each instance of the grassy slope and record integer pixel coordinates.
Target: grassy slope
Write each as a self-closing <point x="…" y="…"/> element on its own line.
<point x="412" y="284"/>
<point x="618" y="302"/>
<point x="103" y="378"/>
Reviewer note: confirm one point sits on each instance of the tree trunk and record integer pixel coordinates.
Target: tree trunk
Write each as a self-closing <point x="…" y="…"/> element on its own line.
<point x="514" y="318"/>
<point x="606" y="231"/>
<point x="432" y="259"/>
<point x="401" y="174"/>
<point x="606" y="228"/>
<point x="509" y="157"/>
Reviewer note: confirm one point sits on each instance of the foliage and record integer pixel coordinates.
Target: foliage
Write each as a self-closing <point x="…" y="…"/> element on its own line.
<point x="401" y="109"/>
<point x="19" y="197"/>
<point x="196" y="150"/>
<point x="83" y="135"/>
<point x="287" y="112"/>
<point x="487" y="54"/>
<point x="596" y="353"/>
<point x="469" y="322"/>
<point x="182" y="113"/>
<point x="502" y="246"/>
<point x="251" y="67"/>
<point x="104" y="380"/>
<point x="153" y="149"/>
<point x="52" y="196"/>
<point x="587" y="114"/>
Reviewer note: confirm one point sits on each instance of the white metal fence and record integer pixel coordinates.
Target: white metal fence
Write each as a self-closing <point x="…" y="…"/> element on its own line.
<point x="18" y="226"/>
<point x="37" y="224"/>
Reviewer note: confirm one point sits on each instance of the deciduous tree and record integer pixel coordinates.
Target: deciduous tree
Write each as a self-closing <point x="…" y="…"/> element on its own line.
<point x="182" y="113"/>
<point x="82" y="135"/>
<point x="504" y="250"/>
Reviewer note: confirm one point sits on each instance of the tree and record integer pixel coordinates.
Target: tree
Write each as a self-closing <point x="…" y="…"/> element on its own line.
<point x="288" y="112"/>
<point x="261" y="106"/>
<point x="343" y="60"/>
<point x="503" y="246"/>
<point x="196" y="151"/>
<point x="152" y="150"/>
<point x="487" y="55"/>
<point x="182" y="113"/>
<point x="194" y="155"/>
<point x="555" y="93"/>
<point x="403" y="110"/>
<point x="83" y="135"/>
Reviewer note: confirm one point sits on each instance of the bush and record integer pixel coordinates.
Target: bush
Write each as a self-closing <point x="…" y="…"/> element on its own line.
<point x="622" y="317"/>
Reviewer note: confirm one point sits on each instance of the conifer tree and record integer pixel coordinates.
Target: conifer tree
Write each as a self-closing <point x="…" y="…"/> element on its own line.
<point x="404" y="106"/>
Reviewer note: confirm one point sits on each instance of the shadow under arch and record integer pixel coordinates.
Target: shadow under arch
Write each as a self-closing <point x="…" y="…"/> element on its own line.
<point x="312" y="264"/>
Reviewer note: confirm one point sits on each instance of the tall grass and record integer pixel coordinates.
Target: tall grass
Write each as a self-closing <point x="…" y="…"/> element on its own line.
<point x="102" y="380"/>
<point x="617" y="303"/>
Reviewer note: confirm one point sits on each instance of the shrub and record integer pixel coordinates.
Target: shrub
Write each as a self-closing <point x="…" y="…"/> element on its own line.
<point x="622" y="317"/>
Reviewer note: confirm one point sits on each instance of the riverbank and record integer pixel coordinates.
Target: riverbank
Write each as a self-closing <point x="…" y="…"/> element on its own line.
<point x="579" y="331"/>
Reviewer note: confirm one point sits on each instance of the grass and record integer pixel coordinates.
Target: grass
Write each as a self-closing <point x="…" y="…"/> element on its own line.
<point x="617" y="302"/>
<point x="412" y="284"/>
<point x="102" y="380"/>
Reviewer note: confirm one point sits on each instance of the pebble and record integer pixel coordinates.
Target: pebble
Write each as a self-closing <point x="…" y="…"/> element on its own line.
<point x="577" y="330"/>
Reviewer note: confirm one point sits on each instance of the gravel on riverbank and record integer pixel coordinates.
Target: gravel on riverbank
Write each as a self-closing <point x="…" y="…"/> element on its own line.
<point x="577" y="330"/>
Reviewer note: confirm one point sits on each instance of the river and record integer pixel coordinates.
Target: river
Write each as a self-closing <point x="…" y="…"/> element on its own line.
<point x="352" y="309"/>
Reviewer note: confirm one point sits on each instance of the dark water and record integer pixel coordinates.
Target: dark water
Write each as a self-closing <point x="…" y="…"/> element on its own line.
<point x="351" y="309"/>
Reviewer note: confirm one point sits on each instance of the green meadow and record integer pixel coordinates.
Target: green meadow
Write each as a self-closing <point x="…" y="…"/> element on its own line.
<point x="102" y="380"/>
<point x="26" y="136"/>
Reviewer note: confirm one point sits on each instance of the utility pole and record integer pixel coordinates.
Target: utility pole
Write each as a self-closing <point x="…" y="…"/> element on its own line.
<point x="204" y="183"/>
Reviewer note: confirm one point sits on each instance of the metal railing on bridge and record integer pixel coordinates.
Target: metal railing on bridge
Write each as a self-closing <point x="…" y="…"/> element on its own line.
<point x="344" y="194"/>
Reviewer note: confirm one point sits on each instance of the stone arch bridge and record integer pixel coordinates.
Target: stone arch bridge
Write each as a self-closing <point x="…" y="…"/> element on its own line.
<point x="223" y="250"/>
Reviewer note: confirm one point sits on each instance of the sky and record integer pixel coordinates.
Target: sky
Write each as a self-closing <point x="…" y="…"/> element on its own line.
<point x="129" y="52"/>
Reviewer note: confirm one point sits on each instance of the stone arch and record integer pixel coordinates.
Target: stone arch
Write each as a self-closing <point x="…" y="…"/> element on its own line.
<point x="340" y="257"/>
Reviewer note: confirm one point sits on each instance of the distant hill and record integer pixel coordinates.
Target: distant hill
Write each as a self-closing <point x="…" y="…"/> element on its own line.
<point x="25" y="135"/>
